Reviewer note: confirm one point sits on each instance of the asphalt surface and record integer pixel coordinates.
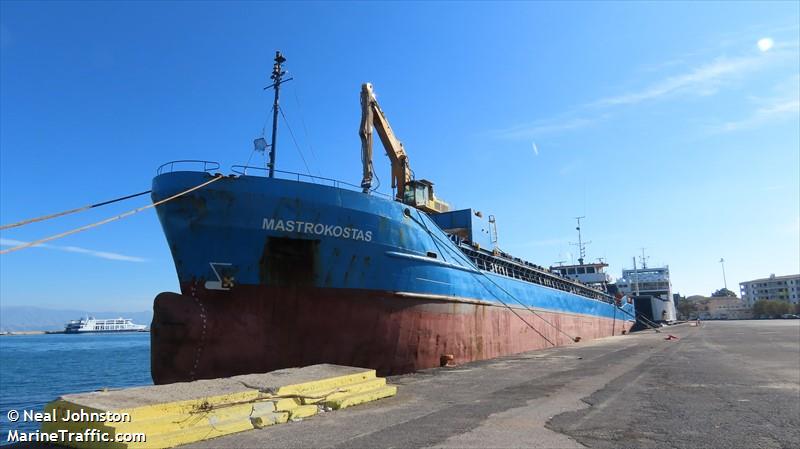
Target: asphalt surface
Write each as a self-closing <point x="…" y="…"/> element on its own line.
<point x="733" y="384"/>
<point x="724" y="384"/>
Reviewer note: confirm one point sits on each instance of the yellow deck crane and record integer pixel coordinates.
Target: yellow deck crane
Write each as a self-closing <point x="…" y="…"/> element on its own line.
<point x="417" y="193"/>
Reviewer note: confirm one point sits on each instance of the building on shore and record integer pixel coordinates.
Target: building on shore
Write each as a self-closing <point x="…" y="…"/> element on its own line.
<point x="720" y="308"/>
<point x="775" y="288"/>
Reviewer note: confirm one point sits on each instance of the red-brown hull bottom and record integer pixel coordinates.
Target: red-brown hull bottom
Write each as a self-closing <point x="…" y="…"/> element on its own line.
<point x="209" y="334"/>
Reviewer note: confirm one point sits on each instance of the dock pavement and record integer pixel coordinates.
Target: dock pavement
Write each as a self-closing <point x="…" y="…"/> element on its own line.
<point x="723" y="384"/>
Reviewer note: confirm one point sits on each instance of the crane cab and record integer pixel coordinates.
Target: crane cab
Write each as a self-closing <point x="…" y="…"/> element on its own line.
<point x="419" y="193"/>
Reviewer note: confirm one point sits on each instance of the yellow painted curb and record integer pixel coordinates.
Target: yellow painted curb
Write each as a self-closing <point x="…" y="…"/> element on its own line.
<point x="171" y="415"/>
<point x="315" y="397"/>
<point x="362" y="397"/>
<point x="303" y="411"/>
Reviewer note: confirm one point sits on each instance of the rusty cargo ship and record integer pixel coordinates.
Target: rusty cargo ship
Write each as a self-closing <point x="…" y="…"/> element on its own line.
<point x="279" y="270"/>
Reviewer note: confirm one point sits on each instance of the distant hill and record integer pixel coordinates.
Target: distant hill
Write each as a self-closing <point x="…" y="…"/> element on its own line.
<point x="25" y="318"/>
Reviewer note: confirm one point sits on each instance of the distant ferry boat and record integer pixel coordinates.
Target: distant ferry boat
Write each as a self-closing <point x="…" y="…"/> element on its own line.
<point x="91" y="324"/>
<point x="652" y="291"/>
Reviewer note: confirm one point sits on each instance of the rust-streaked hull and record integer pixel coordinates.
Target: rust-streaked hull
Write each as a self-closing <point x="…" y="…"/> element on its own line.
<point x="277" y="273"/>
<point x="207" y="334"/>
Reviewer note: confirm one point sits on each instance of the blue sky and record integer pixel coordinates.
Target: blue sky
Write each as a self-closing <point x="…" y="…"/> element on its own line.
<point x="666" y="124"/>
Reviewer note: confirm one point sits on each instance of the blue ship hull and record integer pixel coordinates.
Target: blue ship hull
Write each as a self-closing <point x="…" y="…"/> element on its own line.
<point x="277" y="273"/>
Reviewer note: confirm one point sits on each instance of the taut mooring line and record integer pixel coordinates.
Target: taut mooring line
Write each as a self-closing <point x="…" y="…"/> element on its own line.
<point x="71" y="211"/>
<point x="109" y="220"/>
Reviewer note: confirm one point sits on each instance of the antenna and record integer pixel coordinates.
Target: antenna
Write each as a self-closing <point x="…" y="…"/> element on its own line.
<point x="277" y="78"/>
<point x="493" y="230"/>
<point x="643" y="259"/>
<point x="581" y="244"/>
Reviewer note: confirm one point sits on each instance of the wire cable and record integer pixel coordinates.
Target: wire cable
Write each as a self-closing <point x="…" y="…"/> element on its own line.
<point x="291" y="133"/>
<point x="484" y="275"/>
<point x="518" y="315"/>
<point x="109" y="220"/>
<point x="71" y="211"/>
<point x="305" y="129"/>
<point x="575" y="339"/>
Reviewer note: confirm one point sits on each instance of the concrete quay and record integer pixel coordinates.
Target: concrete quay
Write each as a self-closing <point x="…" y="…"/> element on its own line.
<point x="725" y="384"/>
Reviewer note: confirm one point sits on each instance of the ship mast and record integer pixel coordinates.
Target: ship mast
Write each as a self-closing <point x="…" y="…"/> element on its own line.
<point x="581" y="244"/>
<point x="277" y="80"/>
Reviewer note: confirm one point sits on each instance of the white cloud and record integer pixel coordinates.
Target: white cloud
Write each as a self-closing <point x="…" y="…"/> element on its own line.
<point x="701" y="80"/>
<point x="77" y="249"/>
<point x="541" y="127"/>
<point x="776" y="111"/>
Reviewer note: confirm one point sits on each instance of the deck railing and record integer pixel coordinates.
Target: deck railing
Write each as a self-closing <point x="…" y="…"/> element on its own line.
<point x="243" y="170"/>
<point x="248" y="170"/>
<point x="170" y="166"/>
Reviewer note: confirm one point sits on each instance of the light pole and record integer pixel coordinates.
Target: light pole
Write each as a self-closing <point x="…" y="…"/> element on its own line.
<point x="725" y="281"/>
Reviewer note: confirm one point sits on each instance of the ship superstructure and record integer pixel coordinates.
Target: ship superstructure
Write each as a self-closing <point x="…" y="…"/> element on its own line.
<point x="652" y="288"/>
<point x="592" y="273"/>
<point x="91" y="325"/>
<point x="589" y="273"/>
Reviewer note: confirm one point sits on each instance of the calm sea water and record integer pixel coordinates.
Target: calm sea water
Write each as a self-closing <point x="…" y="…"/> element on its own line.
<point x="36" y="369"/>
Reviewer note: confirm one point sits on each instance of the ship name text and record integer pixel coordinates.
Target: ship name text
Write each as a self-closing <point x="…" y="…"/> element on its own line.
<point x="307" y="227"/>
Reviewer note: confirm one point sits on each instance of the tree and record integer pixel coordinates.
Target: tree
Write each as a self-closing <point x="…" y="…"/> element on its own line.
<point x="771" y="308"/>
<point x="723" y="293"/>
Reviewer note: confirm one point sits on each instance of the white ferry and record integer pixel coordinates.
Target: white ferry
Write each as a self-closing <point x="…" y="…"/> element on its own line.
<point x="652" y="289"/>
<point x="91" y="324"/>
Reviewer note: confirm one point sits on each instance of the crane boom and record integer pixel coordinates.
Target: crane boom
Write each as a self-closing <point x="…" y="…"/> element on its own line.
<point x="372" y="115"/>
<point x="416" y="193"/>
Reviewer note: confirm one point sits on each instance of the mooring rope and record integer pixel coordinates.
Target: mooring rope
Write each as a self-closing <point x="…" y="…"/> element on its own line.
<point x="71" y="211"/>
<point x="481" y="273"/>
<point x="265" y="395"/>
<point x="641" y="318"/>
<point x="109" y="220"/>
<point x="515" y="313"/>
<point x="574" y="339"/>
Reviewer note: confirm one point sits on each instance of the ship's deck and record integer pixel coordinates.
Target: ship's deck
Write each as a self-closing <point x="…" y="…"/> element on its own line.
<point x="520" y="269"/>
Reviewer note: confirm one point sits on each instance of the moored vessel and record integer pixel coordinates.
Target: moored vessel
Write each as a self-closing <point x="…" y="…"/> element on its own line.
<point x="651" y="289"/>
<point x="283" y="269"/>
